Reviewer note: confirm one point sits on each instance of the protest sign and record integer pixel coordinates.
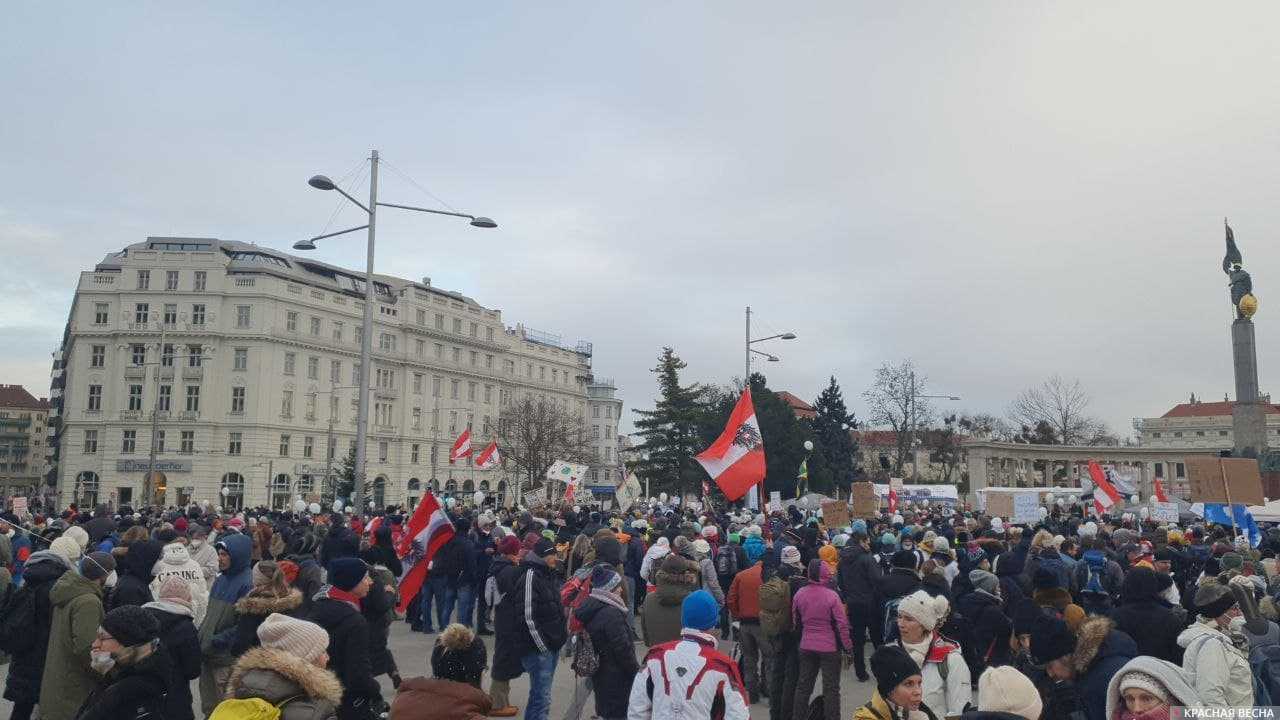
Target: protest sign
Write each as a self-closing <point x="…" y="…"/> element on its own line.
<point x="865" y="501"/>
<point x="835" y="514"/>
<point x="1212" y="479"/>
<point x="1000" y="505"/>
<point x="1164" y="512"/>
<point x="1026" y="508"/>
<point x="775" y="501"/>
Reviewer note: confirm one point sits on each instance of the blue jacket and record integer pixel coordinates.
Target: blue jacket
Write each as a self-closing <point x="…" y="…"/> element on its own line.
<point x="754" y="545"/>
<point x="1101" y="651"/>
<point x="218" y="630"/>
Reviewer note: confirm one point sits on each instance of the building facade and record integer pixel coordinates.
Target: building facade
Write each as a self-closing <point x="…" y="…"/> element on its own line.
<point x="1199" y="425"/>
<point x="604" y="413"/>
<point x="247" y="362"/>
<point x="23" y="423"/>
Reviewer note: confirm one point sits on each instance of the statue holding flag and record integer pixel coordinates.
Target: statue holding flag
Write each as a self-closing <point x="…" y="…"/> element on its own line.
<point x="1242" y="298"/>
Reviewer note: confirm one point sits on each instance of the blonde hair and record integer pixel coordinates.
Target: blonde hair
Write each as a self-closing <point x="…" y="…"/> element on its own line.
<point x="457" y="637"/>
<point x="1043" y="540"/>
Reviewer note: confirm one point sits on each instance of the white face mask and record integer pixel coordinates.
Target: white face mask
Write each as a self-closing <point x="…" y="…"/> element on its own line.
<point x="110" y="582"/>
<point x="1236" y="624"/>
<point x="197" y="544"/>
<point x="101" y="661"/>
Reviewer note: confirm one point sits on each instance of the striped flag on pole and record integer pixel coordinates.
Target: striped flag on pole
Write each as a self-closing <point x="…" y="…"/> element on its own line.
<point x="429" y="529"/>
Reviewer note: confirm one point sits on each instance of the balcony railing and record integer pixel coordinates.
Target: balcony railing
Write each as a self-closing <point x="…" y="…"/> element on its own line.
<point x="135" y="372"/>
<point x="192" y="373"/>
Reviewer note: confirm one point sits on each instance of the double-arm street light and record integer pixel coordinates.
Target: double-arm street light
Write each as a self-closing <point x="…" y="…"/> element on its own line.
<point x="911" y="444"/>
<point x="746" y="378"/>
<point x="320" y="182"/>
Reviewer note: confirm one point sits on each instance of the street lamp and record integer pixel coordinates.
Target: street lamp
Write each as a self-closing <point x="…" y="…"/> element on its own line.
<point x="911" y="444"/>
<point x="321" y="182"/>
<point x="746" y="379"/>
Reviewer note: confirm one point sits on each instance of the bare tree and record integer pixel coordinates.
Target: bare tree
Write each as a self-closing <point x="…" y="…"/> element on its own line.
<point x="535" y="433"/>
<point x="894" y="401"/>
<point x="1062" y="405"/>
<point x="985" y="426"/>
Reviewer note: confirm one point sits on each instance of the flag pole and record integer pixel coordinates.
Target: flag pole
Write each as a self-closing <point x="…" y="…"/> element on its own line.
<point x="1226" y="489"/>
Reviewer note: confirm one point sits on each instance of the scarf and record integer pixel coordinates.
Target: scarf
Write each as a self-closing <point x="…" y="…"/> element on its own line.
<point x="609" y="598"/>
<point x="1159" y="712"/>
<point x="918" y="651"/>
<point x="330" y="592"/>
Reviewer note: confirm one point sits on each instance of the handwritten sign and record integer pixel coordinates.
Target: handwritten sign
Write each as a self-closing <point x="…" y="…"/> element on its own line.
<point x="865" y="501"/>
<point x="535" y="497"/>
<point x="20" y="506"/>
<point x="775" y="501"/>
<point x="1000" y="505"/>
<point x="1026" y="508"/>
<point x="1164" y="512"/>
<point x="835" y="514"/>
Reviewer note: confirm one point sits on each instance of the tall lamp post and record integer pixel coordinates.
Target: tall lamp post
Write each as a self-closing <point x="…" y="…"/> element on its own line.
<point x="321" y="182"/>
<point x="746" y="378"/>
<point x="911" y="442"/>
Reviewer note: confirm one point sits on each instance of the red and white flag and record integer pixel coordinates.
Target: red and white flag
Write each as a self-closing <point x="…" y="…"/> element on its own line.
<point x="461" y="447"/>
<point x="429" y="529"/>
<point x="1160" y="491"/>
<point x="1105" y="494"/>
<point x="893" y="501"/>
<point x="735" y="461"/>
<point x="489" y="457"/>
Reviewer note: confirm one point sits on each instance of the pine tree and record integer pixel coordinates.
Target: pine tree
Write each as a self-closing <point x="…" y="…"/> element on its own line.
<point x="832" y="427"/>
<point x="670" y="431"/>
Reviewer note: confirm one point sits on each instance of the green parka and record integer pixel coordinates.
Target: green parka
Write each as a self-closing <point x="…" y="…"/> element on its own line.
<point x="68" y="678"/>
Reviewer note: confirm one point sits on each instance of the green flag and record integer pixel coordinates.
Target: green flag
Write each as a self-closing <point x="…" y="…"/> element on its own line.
<point x="802" y="476"/>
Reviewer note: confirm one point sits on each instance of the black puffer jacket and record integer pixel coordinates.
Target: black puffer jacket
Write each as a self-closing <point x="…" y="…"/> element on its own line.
<point x="27" y="667"/>
<point x="506" y="663"/>
<point x="992" y="629"/>
<point x="614" y="643"/>
<point x="349" y="654"/>
<point x="1151" y="624"/>
<point x="538" y="625"/>
<point x="178" y="638"/>
<point x="134" y="585"/>
<point x="134" y="692"/>
<point x="858" y="573"/>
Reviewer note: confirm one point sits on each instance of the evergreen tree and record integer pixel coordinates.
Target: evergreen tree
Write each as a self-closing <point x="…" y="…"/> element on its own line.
<point x="670" y="432"/>
<point x="833" y="428"/>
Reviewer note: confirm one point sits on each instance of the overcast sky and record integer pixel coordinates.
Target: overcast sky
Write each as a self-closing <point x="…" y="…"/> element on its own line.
<point x="1000" y="191"/>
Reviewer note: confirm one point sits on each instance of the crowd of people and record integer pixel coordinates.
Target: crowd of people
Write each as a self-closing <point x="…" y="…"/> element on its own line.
<point x="114" y="614"/>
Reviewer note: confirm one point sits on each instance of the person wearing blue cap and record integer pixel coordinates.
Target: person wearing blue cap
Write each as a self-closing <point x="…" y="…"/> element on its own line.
<point x="689" y="676"/>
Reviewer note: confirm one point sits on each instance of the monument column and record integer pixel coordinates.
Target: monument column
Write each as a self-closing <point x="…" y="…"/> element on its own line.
<point x="1248" y="418"/>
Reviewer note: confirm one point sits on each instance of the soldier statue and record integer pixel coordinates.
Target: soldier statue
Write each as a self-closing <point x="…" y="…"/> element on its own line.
<point x="1242" y="298"/>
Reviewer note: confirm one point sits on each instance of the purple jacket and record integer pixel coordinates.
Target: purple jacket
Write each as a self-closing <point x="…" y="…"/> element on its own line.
<point x="816" y="608"/>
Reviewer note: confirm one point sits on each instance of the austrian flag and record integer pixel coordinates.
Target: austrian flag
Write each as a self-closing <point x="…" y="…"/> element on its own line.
<point x="735" y="461"/>
<point x="429" y="529"/>
<point x="489" y="457"/>
<point x="461" y="447"/>
<point x="1105" y="495"/>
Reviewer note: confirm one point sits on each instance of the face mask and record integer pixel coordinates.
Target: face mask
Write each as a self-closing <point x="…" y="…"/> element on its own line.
<point x="197" y="544"/>
<point x="1236" y="624"/>
<point x="110" y="582"/>
<point x="101" y="661"/>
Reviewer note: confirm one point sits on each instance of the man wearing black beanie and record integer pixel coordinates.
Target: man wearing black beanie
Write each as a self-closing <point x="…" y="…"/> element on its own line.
<point x="337" y="610"/>
<point x="134" y="668"/>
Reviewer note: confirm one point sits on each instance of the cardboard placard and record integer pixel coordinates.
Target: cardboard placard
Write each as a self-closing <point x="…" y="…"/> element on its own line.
<point x="866" y="503"/>
<point x="835" y="514"/>
<point x="1026" y="508"/>
<point x="1164" y="512"/>
<point x="535" y="497"/>
<point x="1000" y="505"/>
<point x="312" y="498"/>
<point x="20" y="506"/>
<point x="775" y="501"/>
<point x="1211" y="476"/>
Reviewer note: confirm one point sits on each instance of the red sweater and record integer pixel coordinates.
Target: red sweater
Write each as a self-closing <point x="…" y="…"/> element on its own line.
<point x="744" y="594"/>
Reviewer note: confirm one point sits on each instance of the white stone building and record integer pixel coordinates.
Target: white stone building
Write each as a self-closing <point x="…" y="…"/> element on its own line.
<point x="604" y="413"/>
<point x="251" y="357"/>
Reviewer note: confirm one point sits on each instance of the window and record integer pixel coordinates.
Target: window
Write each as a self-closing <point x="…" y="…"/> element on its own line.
<point x="166" y="398"/>
<point x="195" y="355"/>
<point x="243" y="315"/>
<point x="382" y="451"/>
<point x="337" y="330"/>
<point x="140" y="313"/>
<point x="488" y="361"/>
<point x="335" y="371"/>
<point x="284" y="446"/>
<point x="137" y="354"/>
<point x="413" y="450"/>
<point x="311" y="406"/>
<point x="197" y="314"/>
<point x="439" y="321"/>
<point x="159" y="441"/>
<point x="237" y="400"/>
<point x="313" y="368"/>
<point x="475" y="357"/>
<point x="291" y="321"/>
<point x="1156" y="434"/>
<point x="355" y="374"/>
<point x="144" y="279"/>
<point x="488" y="334"/>
<point x="308" y="446"/>
<point x="359" y="338"/>
<point x="241" y="359"/>
<point x="201" y="275"/>
<point x="95" y="398"/>
<point x="1222" y="433"/>
<point x="1199" y="433"/>
<point x="555" y="375"/>
<point x="1179" y="470"/>
<point x="170" y="314"/>
<point x="333" y="447"/>
<point x="608" y="433"/>
<point x="595" y="411"/>
<point x="234" y="441"/>
<point x="509" y="366"/>
<point x="453" y="389"/>
<point x="435" y="386"/>
<point x="457" y="355"/>
<point x="471" y="392"/>
<point x="419" y="347"/>
<point x="608" y="453"/>
<point x="435" y="419"/>
<point x="487" y="425"/>
<point x="166" y="355"/>
<point x="1159" y="470"/>
<point x="608" y="412"/>
<point x="315" y="326"/>
<point x="171" y="280"/>
<point x="453" y="421"/>
<point x="98" y="356"/>
<point x="417" y="383"/>
<point x="475" y="330"/>
<point x="439" y="351"/>
<point x="100" y="313"/>
<point x="286" y="403"/>
<point x="417" y="418"/>
<point x="129" y="442"/>
<point x="457" y="326"/>
<point x="187" y="442"/>
<point x="135" y="397"/>
<point x="420" y="317"/>
<point x="542" y="372"/>
<point x="595" y="432"/>
<point x="387" y="341"/>
<point x="289" y="360"/>
<point x="193" y="398"/>
<point x="528" y="369"/>
<point x="90" y="442"/>
<point x="1178" y="434"/>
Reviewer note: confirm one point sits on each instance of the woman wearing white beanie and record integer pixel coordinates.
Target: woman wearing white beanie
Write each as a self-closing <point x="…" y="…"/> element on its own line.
<point x="947" y="685"/>
<point x="289" y="666"/>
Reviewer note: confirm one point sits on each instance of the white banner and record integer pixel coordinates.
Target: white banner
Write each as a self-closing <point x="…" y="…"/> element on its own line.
<point x="568" y="473"/>
<point x="1164" y="512"/>
<point x="1026" y="508"/>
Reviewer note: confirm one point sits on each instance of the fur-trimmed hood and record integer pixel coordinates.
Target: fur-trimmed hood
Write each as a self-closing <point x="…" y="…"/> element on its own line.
<point x="266" y="604"/>
<point x="1168" y="674"/>
<point x="1098" y="639"/>
<point x="276" y="675"/>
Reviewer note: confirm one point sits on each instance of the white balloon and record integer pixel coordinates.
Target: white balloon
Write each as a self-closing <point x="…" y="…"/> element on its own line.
<point x="1049" y="497"/>
<point x="337" y="506"/>
<point x="808" y="445"/>
<point x="662" y="497"/>
<point x="1044" y="513"/>
<point x="1144" y="513"/>
<point x="1058" y="502"/>
<point x="478" y="498"/>
<point x="347" y="510"/>
<point x="1134" y="499"/>
<point x="1073" y="499"/>
<point x="299" y="505"/>
<point x="314" y="508"/>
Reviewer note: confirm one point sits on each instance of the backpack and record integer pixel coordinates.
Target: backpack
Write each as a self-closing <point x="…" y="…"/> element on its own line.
<point x="17" y="617"/>
<point x="775" y="607"/>
<point x="959" y="630"/>
<point x="586" y="661"/>
<point x="572" y="593"/>
<point x="382" y="575"/>
<point x="726" y="562"/>
<point x="1094" y="572"/>
<point x="247" y="709"/>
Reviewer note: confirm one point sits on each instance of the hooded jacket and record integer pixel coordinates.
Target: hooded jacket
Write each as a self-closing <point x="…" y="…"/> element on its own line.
<point x="423" y="698"/>
<point x="175" y="561"/>
<point x="991" y="627"/>
<point x="754" y="547"/>
<point x="1100" y="651"/>
<point x="531" y="612"/>
<point x="816" y="611"/>
<point x="348" y="651"/>
<point x="652" y="559"/>
<point x="858" y="573"/>
<point x="207" y="558"/>
<point x="1219" y="672"/>
<point x="276" y="676"/>
<point x="134" y="585"/>
<point x="1151" y="624"/>
<point x="182" y="645"/>
<point x="68" y="679"/>
<point x="134" y="691"/>
<point x="253" y="608"/>
<point x="27" y="666"/>
<point x="660" y="613"/>
<point x="218" y="630"/>
<point x="1169" y="675"/>
<point x="613" y="642"/>
<point x="744" y="595"/>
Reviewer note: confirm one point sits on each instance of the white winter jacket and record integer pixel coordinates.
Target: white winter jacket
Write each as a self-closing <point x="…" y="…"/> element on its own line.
<point x="684" y="679"/>
<point x="1218" y="670"/>
<point x="176" y="562"/>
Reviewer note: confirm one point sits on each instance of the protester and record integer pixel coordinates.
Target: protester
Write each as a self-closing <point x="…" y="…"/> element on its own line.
<point x="203" y="554"/>
<point x="1145" y="687"/>
<point x="743" y="601"/>
<point x="337" y="610"/>
<point x="218" y="631"/>
<point x="1218" y="669"/>
<point x="69" y="676"/>
<point x="1006" y="694"/>
<point x="899" y="693"/>
<point x="689" y="677"/>
<point x="532" y="618"/>
<point x="660" y="615"/>
<point x="176" y="561"/>
<point x="991" y="627"/>
<point x="457" y="662"/>
<point x="824" y="640"/>
<point x="173" y="611"/>
<point x="270" y="594"/>
<point x="134" y="585"/>
<point x="1142" y="616"/>
<point x="858" y="574"/>
<point x="946" y="677"/>
<point x="134" y="668"/>
<point x="503" y="575"/>
<point x="603" y="614"/>
<point x="288" y="670"/>
<point x="25" y="630"/>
